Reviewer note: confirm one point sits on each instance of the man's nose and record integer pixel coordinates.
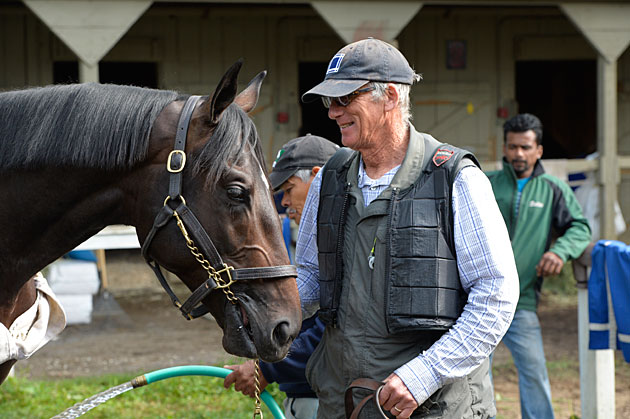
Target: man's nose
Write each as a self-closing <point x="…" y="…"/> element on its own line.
<point x="285" y="202"/>
<point x="335" y="110"/>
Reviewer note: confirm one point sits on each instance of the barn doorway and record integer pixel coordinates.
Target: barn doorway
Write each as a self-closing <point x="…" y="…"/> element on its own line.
<point x="314" y="116"/>
<point x="563" y="94"/>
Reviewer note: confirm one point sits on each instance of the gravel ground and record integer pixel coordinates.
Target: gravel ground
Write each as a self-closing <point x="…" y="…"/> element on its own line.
<point x="145" y="333"/>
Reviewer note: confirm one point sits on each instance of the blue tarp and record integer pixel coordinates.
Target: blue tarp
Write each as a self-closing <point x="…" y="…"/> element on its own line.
<point x="609" y="297"/>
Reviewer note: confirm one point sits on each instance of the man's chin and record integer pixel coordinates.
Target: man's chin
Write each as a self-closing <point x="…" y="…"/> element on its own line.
<point x="519" y="168"/>
<point x="295" y="216"/>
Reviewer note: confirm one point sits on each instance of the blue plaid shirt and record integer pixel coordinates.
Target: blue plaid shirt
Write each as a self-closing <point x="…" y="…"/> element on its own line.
<point x="486" y="268"/>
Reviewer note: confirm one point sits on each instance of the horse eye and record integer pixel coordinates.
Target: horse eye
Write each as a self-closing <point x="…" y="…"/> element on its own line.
<point x="237" y="193"/>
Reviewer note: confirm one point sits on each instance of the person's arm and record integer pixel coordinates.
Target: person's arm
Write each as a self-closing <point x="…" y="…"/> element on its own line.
<point x="571" y="225"/>
<point x="306" y="251"/>
<point x="488" y="274"/>
<point x="243" y="378"/>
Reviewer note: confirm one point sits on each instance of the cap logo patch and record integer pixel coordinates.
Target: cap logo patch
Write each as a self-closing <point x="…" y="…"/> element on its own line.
<point x="335" y="63"/>
<point x="280" y="153"/>
<point x="441" y="156"/>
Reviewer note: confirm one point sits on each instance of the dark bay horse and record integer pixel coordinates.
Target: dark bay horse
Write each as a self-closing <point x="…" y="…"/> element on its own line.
<point x="77" y="158"/>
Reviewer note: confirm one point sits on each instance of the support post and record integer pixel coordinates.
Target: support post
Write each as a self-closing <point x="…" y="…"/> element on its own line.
<point x="597" y="370"/>
<point x="605" y="26"/>
<point x="607" y="144"/>
<point x="87" y="72"/>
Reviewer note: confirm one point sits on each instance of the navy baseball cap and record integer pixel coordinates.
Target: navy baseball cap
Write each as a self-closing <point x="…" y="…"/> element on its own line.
<point x="359" y="63"/>
<point x="300" y="153"/>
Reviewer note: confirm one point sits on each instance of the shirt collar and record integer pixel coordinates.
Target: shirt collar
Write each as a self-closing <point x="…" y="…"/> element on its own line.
<point x="364" y="180"/>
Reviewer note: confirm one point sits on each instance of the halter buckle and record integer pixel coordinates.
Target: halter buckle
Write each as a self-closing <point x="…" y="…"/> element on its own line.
<point x="217" y="274"/>
<point x="169" y="161"/>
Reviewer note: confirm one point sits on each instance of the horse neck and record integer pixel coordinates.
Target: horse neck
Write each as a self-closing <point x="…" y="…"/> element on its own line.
<point x="11" y="307"/>
<point x="48" y="213"/>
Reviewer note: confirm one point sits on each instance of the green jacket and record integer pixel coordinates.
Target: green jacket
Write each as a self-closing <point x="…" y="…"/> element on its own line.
<point x="547" y="206"/>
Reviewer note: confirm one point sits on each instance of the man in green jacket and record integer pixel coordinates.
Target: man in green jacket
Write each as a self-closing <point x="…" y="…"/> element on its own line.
<point x="534" y="205"/>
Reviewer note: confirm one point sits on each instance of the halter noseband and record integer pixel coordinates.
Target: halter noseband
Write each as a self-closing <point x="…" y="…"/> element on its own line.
<point x="220" y="275"/>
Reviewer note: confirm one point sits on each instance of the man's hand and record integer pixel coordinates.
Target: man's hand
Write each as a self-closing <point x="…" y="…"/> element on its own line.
<point x="396" y="398"/>
<point x="243" y="378"/>
<point x="550" y="264"/>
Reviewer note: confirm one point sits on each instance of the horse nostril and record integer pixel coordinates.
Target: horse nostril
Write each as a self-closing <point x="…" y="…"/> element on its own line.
<point x="281" y="333"/>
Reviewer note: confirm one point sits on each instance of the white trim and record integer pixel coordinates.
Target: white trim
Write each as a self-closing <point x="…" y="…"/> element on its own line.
<point x="612" y="336"/>
<point x="599" y="327"/>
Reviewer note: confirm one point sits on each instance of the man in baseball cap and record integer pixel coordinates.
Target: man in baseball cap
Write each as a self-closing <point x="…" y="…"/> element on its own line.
<point x="296" y="164"/>
<point x="359" y="63"/>
<point x="400" y="250"/>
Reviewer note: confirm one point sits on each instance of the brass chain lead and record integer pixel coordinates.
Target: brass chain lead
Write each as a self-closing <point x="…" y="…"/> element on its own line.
<point x="212" y="273"/>
<point x="216" y="275"/>
<point x="257" y="406"/>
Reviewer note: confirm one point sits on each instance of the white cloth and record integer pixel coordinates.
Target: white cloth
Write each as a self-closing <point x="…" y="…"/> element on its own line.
<point x="588" y="197"/>
<point x="35" y="327"/>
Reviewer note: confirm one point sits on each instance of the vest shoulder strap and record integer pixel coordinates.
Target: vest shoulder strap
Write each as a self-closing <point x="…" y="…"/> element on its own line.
<point x="452" y="159"/>
<point x="340" y="159"/>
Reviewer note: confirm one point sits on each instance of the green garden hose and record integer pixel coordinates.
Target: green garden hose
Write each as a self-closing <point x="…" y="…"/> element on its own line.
<point x="81" y="408"/>
<point x="207" y="370"/>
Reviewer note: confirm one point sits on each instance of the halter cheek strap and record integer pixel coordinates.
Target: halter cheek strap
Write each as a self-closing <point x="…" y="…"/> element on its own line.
<point x="220" y="275"/>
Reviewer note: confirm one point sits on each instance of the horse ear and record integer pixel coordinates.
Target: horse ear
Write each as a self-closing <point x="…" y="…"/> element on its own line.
<point x="248" y="98"/>
<point x="225" y="92"/>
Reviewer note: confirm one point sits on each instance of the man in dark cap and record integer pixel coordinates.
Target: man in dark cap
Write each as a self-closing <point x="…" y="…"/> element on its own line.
<point x="295" y="167"/>
<point x="296" y="164"/>
<point x="403" y="253"/>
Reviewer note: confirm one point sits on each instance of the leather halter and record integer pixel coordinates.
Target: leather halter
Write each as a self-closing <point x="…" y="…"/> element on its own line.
<point x="218" y="271"/>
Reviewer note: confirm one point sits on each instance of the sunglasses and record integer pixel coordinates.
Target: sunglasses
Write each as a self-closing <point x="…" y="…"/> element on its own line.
<point x="346" y="99"/>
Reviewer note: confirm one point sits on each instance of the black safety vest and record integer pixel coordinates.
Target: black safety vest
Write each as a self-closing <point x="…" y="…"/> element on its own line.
<point x="423" y="290"/>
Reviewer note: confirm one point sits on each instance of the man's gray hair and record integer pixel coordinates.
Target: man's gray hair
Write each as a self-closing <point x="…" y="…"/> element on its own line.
<point x="404" y="101"/>
<point x="303" y="174"/>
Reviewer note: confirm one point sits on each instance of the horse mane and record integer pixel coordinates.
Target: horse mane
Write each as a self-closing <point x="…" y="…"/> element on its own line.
<point x="106" y="127"/>
<point x="229" y="142"/>
<point x="80" y="125"/>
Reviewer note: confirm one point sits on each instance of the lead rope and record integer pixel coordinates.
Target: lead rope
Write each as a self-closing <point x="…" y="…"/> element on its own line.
<point x="216" y="275"/>
<point x="257" y="404"/>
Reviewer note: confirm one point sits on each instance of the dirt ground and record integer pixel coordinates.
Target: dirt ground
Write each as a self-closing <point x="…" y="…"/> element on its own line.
<point x="135" y="329"/>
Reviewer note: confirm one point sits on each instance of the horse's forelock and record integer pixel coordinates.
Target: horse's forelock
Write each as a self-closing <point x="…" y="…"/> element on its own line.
<point x="229" y="141"/>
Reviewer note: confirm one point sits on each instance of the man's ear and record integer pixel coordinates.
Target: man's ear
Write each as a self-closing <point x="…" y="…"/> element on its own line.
<point x="391" y="95"/>
<point x="540" y="151"/>
<point x="314" y="170"/>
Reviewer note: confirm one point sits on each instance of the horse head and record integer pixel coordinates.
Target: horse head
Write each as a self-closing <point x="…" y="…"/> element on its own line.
<point x="220" y="180"/>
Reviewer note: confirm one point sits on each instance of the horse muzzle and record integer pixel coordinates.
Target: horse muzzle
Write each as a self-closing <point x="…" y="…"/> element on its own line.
<point x="247" y="333"/>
